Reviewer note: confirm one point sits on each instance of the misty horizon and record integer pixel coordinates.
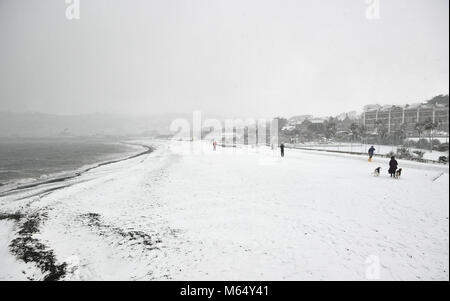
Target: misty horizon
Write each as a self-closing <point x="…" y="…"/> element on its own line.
<point x="175" y="114"/>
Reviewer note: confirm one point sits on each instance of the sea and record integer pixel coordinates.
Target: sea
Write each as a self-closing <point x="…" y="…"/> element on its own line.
<point x="25" y="160"/>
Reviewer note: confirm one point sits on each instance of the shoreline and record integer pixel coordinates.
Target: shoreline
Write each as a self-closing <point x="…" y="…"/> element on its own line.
<point x="75" y="174"/>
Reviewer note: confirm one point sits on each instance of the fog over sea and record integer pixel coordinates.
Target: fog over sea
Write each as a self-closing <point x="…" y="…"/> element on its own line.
<point x="32" y="159"/>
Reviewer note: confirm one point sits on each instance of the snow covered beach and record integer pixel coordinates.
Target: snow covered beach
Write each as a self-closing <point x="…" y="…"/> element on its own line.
<point x="185" y="212"/>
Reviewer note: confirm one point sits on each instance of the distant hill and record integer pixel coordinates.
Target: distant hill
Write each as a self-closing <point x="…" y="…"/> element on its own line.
<point x="46" y="125"/>
<point x="441" y="100"/>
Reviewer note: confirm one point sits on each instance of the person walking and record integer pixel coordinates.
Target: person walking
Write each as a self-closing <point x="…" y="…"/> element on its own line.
<point x="214" y="145"/>
<point x="393" y="167"/>
<point x="371" y="151"/>
<point x="282" y="149"/>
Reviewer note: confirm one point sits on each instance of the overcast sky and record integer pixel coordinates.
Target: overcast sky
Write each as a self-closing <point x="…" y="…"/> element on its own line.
<point x="253" y="58"/>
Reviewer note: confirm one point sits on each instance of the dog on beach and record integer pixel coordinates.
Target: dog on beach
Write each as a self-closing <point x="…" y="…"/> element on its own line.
<point x="398" y="173"/>
<point x="376" y="172"/>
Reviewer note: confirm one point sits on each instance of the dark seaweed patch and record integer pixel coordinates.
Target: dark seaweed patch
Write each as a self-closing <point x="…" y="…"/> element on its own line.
<point x="93" y="220"/>
<point x="30" y="249"/>
<point x="8" y="216"/>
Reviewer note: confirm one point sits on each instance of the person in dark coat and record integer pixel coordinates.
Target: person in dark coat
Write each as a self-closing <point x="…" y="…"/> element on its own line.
<point x="392" y="166"/>
<point x="282" y="149"/>
<point x="371" y="151"/>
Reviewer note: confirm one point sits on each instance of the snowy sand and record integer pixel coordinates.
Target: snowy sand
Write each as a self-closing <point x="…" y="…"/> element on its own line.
<point x="184" y="212"/>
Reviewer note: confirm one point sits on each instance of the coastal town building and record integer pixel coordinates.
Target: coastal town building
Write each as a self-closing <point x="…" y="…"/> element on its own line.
<point x="405" y="118"/>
